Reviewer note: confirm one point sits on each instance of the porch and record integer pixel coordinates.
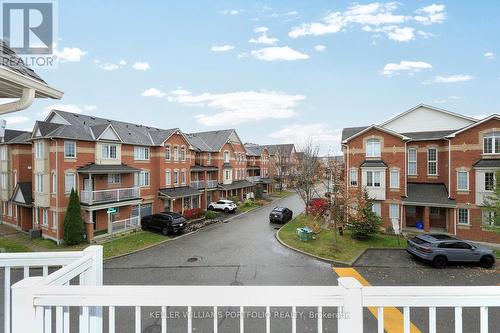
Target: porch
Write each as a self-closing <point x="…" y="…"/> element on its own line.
<point x="104" y="222"/>
<point x="239" y="188"/>
<point x="179" y="199"/>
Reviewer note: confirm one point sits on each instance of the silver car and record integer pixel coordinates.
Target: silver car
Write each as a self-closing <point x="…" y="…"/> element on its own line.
<point x="439" y="249"/>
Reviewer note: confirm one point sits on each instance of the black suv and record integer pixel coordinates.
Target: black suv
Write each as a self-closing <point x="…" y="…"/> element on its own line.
<point x="165" y="222"/>
<point x="280" y="215"/>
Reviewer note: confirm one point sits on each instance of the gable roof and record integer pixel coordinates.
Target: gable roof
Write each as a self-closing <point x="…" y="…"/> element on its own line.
<point x="351" y="131"/>
<point x="366" y="129"/>
<point x="210" y="141"/>
<point x="90" y="128"/>
<point x="453" y="134"/>
<point x="16" y="137"/>
<point x="22" y="191"/>
<point x="284" y="149"/>
<point x="425" y="193"/>
<point x="253" y="149"/>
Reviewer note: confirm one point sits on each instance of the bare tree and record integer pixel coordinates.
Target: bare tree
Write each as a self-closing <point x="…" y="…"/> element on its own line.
<point x="279" y="168"/>
<point x="332" y="178"/>
<point x="306" y="172"/>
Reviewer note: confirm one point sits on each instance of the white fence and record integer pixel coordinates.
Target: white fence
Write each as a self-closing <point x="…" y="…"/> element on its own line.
<point x="113" y="195"/>
<point x="34" y="299"/>
<point x="125" y="224"/>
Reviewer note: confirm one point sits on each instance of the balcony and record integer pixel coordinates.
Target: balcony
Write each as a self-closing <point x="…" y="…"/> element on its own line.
<point x="481" y="196"/>
<point x="254" y="179"/>
<point x="43" y="303"/>
<point x="109" y="196"/>
<point x="202" y="184"/>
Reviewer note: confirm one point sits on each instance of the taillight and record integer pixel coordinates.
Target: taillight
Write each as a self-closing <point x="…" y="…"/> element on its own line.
<point x="426" y="249"/>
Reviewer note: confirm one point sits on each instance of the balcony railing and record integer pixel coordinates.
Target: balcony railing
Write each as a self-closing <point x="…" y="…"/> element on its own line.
<point x="212" y="183"/>
<point x="198" y="184"/>
<point x="253" y="179"/>
<point x="113" y="195"/>
<point x="34" y="299"/>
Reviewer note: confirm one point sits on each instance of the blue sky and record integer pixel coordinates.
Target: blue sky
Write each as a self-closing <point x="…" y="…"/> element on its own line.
<point x="276" y="71"/>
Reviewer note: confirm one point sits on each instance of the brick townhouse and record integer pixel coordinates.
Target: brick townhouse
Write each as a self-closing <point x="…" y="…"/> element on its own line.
<point x="283" y="159"/>
<point x="427" y="166"/>
<point x="121" y="171"/>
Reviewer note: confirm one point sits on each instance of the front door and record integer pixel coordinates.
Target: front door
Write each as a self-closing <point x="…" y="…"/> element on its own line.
<point x="168" y="205"/>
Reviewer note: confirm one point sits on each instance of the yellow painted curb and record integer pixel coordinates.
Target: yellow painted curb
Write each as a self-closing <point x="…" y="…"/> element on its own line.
<point x="393" y="318"/>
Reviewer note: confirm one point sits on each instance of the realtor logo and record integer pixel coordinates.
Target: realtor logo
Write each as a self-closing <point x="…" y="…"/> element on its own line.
<point x="28" y="27"/>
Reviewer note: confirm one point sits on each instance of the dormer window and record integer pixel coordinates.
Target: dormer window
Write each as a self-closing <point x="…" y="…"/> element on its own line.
<point x="373" y="148"/>
<point x="491" y="143"/>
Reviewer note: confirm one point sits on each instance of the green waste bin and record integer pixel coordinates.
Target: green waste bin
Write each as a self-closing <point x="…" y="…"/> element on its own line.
<point x="304" y="234"/>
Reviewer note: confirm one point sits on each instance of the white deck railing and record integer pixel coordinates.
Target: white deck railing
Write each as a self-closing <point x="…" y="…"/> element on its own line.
<point x="125" y="224"/>
<point x="113" y="195"/>
<point x="198" y="184"/>
<point x="34" y="298"/>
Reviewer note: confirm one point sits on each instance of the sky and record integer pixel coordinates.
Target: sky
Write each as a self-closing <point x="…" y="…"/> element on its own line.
<point x="277" y="71"/>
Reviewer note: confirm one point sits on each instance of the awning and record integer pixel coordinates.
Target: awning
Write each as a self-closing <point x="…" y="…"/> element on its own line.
<point x="22" y="194"/>
<point x="266" y="180"/>
<point x="373" y="164"/>
<point x="487" y="163"/>
<point x="100" y="168"/>
<point x="178" y="192"/>
<point x="426" y="194"/>
<point x="199" y="168"/>
<point x="235" y="185"/>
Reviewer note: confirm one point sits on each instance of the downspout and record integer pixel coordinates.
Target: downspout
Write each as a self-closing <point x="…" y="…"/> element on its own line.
<point x="406" y="169"/>
<point x="449" y="187"/>
<point x="57" y="184"/>
<point x="22" y="103"/>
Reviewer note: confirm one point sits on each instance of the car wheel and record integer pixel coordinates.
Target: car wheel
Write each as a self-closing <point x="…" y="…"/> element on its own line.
<point x="143" y="227"/>
<point x="226" y="210"/>
<point x="210" y="207"/>
<point x="439" y="262"/>
<point x="486" y="262"/>
<point x="164" y="231"/>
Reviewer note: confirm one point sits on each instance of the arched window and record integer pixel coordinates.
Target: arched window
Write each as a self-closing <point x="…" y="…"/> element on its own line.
<point x="491" y="143"/>
<point x="183" y="154"/>
<point x="373" y="148"/>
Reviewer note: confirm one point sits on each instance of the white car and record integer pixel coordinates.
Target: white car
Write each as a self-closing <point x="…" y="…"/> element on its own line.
<point x="227" y="206"/>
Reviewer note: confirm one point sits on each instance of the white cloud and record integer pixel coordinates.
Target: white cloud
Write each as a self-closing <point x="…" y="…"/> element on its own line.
<point x="231" y="11"/>
<point x="239" y="107"/>
<point x="263" y="38"/>
<point x="122" y="62"/>
<point x="16" y="120"/>
<point x="489" y="55"/>
<point x="320" y="48"/>
<point x="279" y="53"/>
<point x="90" y="107"/>
<point x="180" y="92"/>
<point x="109" y="66"/>
<point x="222" y="48"/>
<point x="63" y="107"/>
<point x="291" y="13"/>
<point x="153" y="92"/>
<point x="374" y="17"/>
<point x="141" y="66"/>
<point x="70" y="54"/>
<point x="431" y="14"/>
<point x="317" y="133"/>
<point x="453" y="78"/>
<point x="407" y="66"/>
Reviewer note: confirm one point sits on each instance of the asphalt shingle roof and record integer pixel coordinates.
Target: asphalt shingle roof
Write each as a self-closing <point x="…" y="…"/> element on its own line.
<point x="350" y="131"/>
<point x="284" y="149"/>
<point x="179" y="192"/>
<point x="373" y="164"/>
<point x="26" y="191"/>
<point x="236" y="184"/>
<point x="211" y="141"/>
<point x="428" y="193"/>
<point x="16" y="137"/>
<point x="487" y="163"/>
<point x="12" y="61"/>
<point x="105" y="168"/>
<point x="433" y="135"/>
<point x="254" y="149"/>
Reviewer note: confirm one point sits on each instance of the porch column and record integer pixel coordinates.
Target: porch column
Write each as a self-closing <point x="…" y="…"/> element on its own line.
<point x="90" y="189"/>
<point x="427" y="224"/>
<point x="89" y="227"/>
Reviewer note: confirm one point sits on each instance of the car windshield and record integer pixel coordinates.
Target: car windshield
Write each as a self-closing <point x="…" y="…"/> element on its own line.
<point x="278" y="209"/>
<point x="419" y="241"/>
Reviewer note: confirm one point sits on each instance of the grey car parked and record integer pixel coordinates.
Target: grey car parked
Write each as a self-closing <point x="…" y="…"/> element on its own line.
<point x="439" y="249"/>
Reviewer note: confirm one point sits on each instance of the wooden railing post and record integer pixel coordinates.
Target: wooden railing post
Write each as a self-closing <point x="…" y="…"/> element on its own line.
<point x="24" y="315"/>
<point x="94" y="277"/>
<point x="350" y="318"/>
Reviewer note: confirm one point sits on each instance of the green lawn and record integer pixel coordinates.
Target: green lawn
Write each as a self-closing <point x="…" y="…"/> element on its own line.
<point x="281" y="194"/>
<point x="131" y="242"/>
<point x="10" y="245"/>
<point x="346" y="249"/>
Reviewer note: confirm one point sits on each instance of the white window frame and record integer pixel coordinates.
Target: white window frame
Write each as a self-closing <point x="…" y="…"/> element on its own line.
<point x="67" y="145"/>
<point x="183" y="177"/>
<point x="394" y="208"/>
<point x="168" y="178"/>
<point x="493" y="136"/>
<point x="176" y="177"/>
<point x="353" y="177"/>
<point x="106" y="151"/>
<point x="394" y="179"/>
<point x="54" y="182"/>
<point x="373" y="180"/>
<point x="144" y="178"/>
<point x="432" y="162"/>
<point x="411" y="162"/>
<point x="55" y="220"/>
<point x="466" y="188"/>
<point x="67" y="188"/>
<point x="459" y="216"/>
<point x="227" y="157"/>
<point x="167" y="153"/>
<point x="183" y="154"/>
<point x="487" y="218"/>
<point x="4" y="179"/>
<point x="209" y="157"/>
<point x="378" y="210"/>
<point x="176" y="153"/>
<point x="38" y="150"/>
<point x="494" y="181"/>
<point x="3" y="153"/>
<point x="39" y="183"/>
<point x="373" y="147"/>
<point x="114" y="178"/>
<point x="141" y="153"/>
<point x="227" y="174"/>
<point x="45" y="217"/>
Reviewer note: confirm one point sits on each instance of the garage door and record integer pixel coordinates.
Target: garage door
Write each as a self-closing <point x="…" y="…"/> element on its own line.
<point x="146" y="209"/>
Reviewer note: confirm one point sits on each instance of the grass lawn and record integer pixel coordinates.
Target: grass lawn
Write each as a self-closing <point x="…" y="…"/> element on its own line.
<point x="131" y="242"/>
<point x="10" y="245"/>
<point x="281" y="194"/>
<point x="346" y="248"/>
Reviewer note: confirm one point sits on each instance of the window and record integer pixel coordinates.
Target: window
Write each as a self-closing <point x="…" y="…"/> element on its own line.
<point x="377" y="208"/>
<point x="114" y="178"/>
<point x="435" y="211"/>
<point x="227" y="174"/>
<point x="209" y="158"/>
<point x="109" y="151"/>
<point x="38" y="150"/>
<point x="5" y="180"/>
<point x="226" y="157"/>
<point x="432" y="161"/>
<point x="54" y="220"/>
<point x="491" y="143"/>
<point x="489" y="218"/>
<point x="143" y="178"/>
<point x="54" y="182"/>
<point x="373" y="148"/>
<point x="176" y="177"/>
<point x="39" y="183"/>
<point x="412" y="161"/>
<point x="176" y="153"/>
<point x="463" y="216"/>
<point x="69" y="149"/>
<point x="9" y="209"/>
<point x="373" y="178"/>
<point x="489" y="181"/>
<point x="394" y="179"/>
<point x="183" y="154"/>
<point x="394" y="211"/>
<point x="141" y="153"/>
<point x="69" y="182"/>
<point x="3" y="153"/>
<point x="353" y="177"/>
<point x="462" y="181"/>
<point x="167" y="153"/>
<point x="168" y="178"/>
<point x="45" y="217"/>
<point x="183" y="177"/>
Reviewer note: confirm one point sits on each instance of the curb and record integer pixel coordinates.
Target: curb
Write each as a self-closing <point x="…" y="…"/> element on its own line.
<point x="337" y="263"/>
